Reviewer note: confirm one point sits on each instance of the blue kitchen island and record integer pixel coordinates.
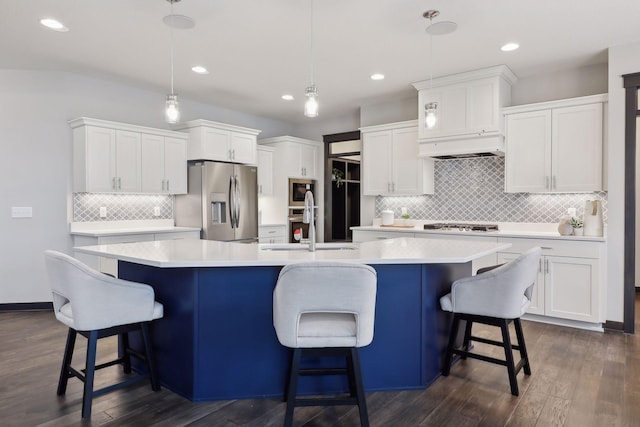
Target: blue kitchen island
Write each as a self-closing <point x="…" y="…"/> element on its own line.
<point x="217" y="341"/>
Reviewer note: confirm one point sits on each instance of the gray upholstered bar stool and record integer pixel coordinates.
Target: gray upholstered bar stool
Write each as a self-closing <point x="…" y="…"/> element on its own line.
<point x="496" y="296"/>
<point x="95" y="306"/>
<point x="325" y="309"/>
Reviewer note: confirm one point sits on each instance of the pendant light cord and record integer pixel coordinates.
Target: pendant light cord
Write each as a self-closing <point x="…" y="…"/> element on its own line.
<point x="171" y="43"/>
<point x="430" y="56"/>
<point x="311" y="40"/>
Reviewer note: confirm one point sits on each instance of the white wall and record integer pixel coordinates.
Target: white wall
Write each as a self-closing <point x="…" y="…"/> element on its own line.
<point x="35" y="160"/>
<point x="622" y="60"/>
<point x="398" y="110"/>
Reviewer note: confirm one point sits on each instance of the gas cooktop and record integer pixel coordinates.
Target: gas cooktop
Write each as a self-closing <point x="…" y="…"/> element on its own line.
<point x="460" y="226"/>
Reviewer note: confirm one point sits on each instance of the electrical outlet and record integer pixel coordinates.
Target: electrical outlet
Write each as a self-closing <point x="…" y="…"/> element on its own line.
<point x="156" y="211"/>
<point x="103" y="211"/>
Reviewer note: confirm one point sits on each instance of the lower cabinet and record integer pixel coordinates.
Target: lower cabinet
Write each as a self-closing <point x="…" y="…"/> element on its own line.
<point x="570" y="278"/>
<point x="272" y="234"/>
<point x="109" y="265"/>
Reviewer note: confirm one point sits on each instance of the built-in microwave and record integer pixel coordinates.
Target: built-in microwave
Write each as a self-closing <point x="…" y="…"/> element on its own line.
<point x="297" y="190"/>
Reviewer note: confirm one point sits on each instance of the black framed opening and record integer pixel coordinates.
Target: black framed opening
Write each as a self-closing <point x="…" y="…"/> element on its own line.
<point x="631" y="85"/>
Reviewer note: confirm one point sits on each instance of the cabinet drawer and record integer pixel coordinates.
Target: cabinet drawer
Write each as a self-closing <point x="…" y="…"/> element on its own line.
<point x="554" y="247"/>
<point x="271" y="231"/>
<point x="178" y="235"/>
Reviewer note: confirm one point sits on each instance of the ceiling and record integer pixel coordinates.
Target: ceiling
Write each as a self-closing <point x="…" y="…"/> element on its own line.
<point x="257" y="50"/>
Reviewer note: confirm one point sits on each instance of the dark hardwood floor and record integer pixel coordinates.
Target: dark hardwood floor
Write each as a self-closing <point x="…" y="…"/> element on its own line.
<point x="579" y="378"/>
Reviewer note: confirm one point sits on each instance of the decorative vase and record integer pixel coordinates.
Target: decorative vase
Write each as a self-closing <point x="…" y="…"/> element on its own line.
<point x="578" y="231"/>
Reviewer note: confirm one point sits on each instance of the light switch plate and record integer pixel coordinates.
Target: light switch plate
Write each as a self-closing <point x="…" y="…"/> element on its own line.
<point x="156" y="211"/>
<point x="103" y="212"/>
<point x="21" y="212"/>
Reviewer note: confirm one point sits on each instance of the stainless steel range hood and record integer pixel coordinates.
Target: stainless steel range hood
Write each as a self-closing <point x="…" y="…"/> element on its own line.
<point x="464" y="147"/>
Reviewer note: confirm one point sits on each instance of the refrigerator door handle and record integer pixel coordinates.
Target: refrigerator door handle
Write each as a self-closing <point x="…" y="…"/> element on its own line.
<point x="232" y="201"/>
<point x="238" y="200"/>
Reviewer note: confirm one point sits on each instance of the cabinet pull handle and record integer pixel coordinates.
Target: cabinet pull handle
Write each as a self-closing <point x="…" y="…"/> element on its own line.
<point x="233" y="154"/>
<point x="393" y="187"/>
<point x="167" y="185"/>
<point x="388" y="187"/>
<point x="546" y="266"/>
<point x="554" y="182"/>
<point x="229" y="155"/>
<point x="546" y="247"/>
<point x="539" y="266"/>
<point x="113" y="183"/>
<point x="163" y="185"/>
<point x="546" y="182"/>
<point x="119" y="183"/>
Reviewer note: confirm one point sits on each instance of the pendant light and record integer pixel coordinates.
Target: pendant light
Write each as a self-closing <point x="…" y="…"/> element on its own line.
<point x="172" y="111"/>
<point x="311" y="92"/>
<point x="430" y="108"/>
<point x="439" y="28"/>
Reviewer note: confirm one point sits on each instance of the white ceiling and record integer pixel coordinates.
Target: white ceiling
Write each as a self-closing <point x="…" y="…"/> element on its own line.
<point x="257" y="50"/>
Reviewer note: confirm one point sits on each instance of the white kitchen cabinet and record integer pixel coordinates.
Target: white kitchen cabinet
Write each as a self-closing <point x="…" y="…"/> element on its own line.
<point x="164" y="164"/>
<point x="220" y="142"/>
<point x="555" y="147"/>
<point x="110" y="157"/>
<point x="469" y="103"/>
<point x="265" y="170"/>
<point x="301" y="157"/>
<point x="275" y="233"/>
<point x="106" y="160"/>
<point x="570" y="279"/>
<point x="390" y="162"/>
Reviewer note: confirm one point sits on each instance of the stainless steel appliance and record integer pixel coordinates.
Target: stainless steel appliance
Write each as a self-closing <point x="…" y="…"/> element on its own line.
<point x="222" y="199"/>
<point x="297" y="190"/>
<point x="461" y="226"/>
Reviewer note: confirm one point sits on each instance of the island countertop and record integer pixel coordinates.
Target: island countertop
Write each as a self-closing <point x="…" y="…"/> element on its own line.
<point x="208" y="253"/>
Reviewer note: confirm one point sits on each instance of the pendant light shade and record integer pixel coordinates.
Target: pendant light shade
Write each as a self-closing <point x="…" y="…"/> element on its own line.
<point x="431" y="114"/>
<point x="311" y="104"/>
<point x="172" y="112"/>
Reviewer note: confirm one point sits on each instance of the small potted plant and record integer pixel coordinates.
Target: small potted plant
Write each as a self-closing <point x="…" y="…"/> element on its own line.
<point x="577" y="225"/>
<point x="338" y="175"/>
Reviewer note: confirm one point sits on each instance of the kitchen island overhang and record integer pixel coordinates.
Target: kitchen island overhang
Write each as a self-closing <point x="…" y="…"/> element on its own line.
<point x="217" y="340"/>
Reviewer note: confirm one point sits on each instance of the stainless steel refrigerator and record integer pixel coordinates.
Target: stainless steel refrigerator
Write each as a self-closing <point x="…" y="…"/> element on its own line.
<point x="222" y="200"/>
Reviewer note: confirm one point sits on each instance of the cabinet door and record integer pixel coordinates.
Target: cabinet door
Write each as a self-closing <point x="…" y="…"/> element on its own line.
<point x="406" y="168"/>
<point x="571" y="288"/>
<point x="129" y="178"/>
<point x="528" y="156"/>
<point x="577" y="148"/>
<point x="537" y="296"/>
<point x="101" y="160"/>
<point x="152" y="161"/>
<point x="308" y="156"/>
<point x="217" y="144"/>
<point x="483" y="112"/>
<point x="243" y="148"/>
<point x="265" y="172"/>
<point x="175" y="165"/>
<point x="376" y="162"/>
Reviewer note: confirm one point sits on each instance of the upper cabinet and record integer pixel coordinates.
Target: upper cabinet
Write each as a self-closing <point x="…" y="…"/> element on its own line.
<point x="220" y="142"/>
<point x="265" y="170"/>
<point x="469" y="106"/>
<point x="555" y="147"/>
<point x="390" y="162"/>
<point x="300" y="156"/>
<point x="110" y="157"/>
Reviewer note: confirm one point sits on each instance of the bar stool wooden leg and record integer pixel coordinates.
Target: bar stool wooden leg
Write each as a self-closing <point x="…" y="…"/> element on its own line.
<point x="359" y="389"/>
<point x="467" y="338"/>
<point x="66" y="362"/>
<point x="523" y="348"/>
<point x="508" y="353"/>
<point x="151" y="364"/>
<point x="126" y="356"/>
<point x="90" y="368"/>
<point x="292" y="388"/>
<point x="446" y="368"/>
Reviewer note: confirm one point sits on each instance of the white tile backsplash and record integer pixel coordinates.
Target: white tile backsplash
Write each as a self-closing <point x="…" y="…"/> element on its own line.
<point x="473" y="190"/>
<point x="121" y="207"/>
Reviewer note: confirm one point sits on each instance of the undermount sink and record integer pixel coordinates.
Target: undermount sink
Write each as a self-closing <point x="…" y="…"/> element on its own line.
<point x="305" y="247"/>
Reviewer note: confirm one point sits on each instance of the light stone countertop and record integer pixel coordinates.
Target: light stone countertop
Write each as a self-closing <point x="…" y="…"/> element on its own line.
<point x="208" y="253"/>
<point x="122" y="228"/>
<point x="522" y="230"/>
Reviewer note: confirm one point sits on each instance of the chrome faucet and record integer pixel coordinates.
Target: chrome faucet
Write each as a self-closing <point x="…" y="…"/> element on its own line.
<point x="308" y="217"/>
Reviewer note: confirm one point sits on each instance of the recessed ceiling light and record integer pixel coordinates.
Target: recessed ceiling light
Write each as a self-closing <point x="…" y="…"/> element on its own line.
<point x="287" y="97"/>
<point x="377" y="76"/>
<point x="509" y="47"/>
<point x="54" y="24"/>
<point x="199" y="69"/>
